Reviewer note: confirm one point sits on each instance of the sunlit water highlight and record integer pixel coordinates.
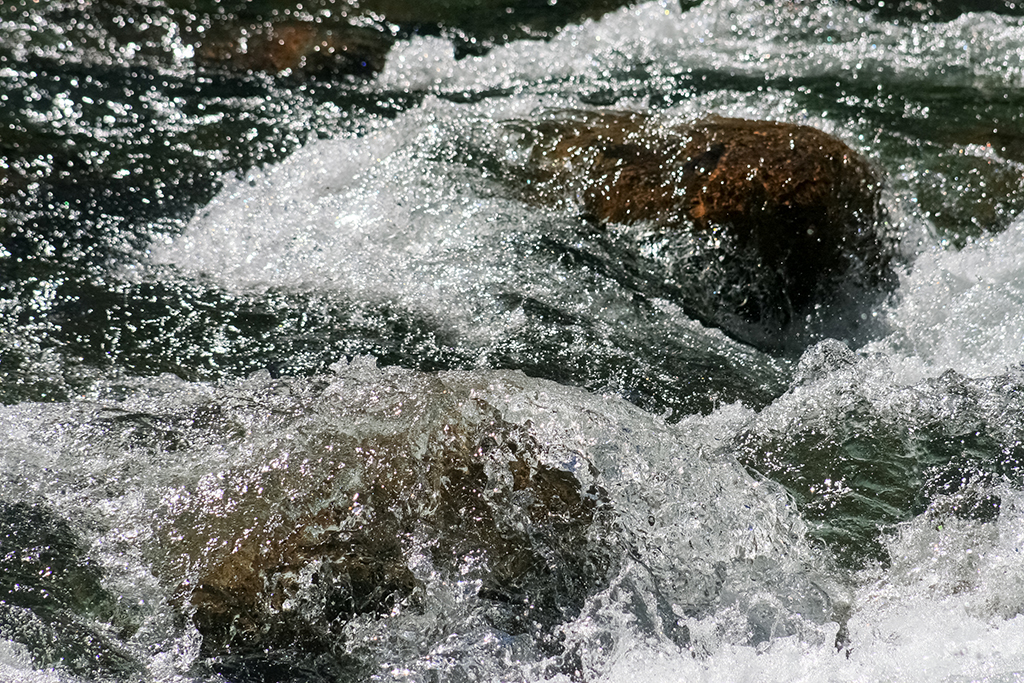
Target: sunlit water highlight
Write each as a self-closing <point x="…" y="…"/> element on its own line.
<point x="401" y="235"/>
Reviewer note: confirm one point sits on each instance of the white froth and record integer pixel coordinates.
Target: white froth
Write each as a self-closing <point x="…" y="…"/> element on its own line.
<point x="940" y="614"/>
<point x="373" y="218"/>
<point x="965" y="309"/>
<point x="16" y="665"/>
<point x="741" y="36"/>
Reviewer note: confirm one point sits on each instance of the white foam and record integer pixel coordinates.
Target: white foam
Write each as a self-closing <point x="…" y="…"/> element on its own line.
<point x="964" y="309"/>
<point x="739" y="36"/>
<point x="373" y="218"/>
<point x="16" y="666"/>
<point x="940" y="614"/>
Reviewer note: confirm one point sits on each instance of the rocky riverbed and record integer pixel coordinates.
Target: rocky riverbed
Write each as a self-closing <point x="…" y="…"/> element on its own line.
<point x="529" y="341"/>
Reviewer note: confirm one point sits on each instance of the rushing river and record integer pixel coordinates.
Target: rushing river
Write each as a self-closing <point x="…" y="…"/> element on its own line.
<point x="309" y="320"/>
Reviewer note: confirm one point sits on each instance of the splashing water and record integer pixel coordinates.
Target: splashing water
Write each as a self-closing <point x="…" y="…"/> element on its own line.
<point x="264" y="338"/>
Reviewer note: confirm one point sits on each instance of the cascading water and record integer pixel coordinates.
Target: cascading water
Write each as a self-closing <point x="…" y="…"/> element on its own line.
<point x="301" y="383"/>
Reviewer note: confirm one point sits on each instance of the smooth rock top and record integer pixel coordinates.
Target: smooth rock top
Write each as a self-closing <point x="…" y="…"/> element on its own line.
<point x="787" y="215"/>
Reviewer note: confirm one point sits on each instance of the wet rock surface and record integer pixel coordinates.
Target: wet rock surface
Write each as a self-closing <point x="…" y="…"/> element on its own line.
<point x="272" y="575"/>
<point x="298" y="48"/>
<point x="334" y="39"/>
<point x="786" y="217"/>
<point x="474" y="26"/>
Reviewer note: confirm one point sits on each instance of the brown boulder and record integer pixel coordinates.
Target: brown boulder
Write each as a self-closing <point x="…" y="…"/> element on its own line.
<point x="784" y="219"/>
<point x="274" y="575"/>
<point x="306" y="48"/>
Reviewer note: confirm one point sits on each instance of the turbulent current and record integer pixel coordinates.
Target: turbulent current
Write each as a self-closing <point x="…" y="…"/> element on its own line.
<point x="301" y="381"/>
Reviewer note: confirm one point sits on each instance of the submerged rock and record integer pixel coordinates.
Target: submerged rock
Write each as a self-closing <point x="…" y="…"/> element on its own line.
<point x="783" y="222"/>
<point x="306" y="48"/>
<point x="473" y="26"/>
<point x="857" y="464"/>
<point x="285" y="558"/>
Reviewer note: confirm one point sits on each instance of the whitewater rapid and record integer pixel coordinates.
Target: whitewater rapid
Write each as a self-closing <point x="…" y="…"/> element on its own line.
<point x="855" y="513"/>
